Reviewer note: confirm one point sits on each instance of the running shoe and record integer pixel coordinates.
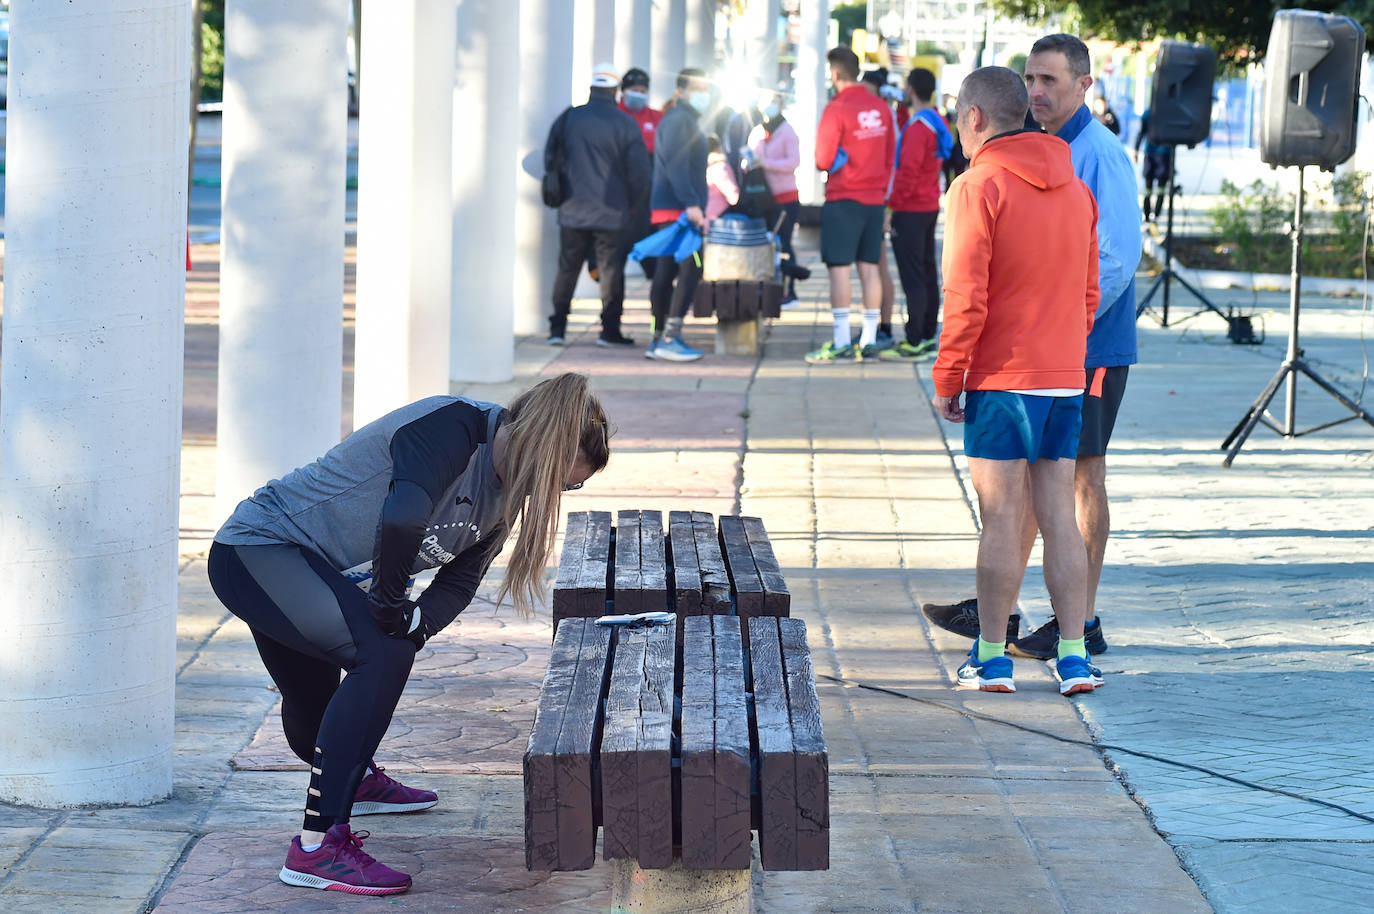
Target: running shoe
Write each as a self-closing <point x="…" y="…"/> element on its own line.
<point x="962" y="618"/>
<point x="1043" y="643"/>
<point x="555" y="340"/>
<point x="830" y="353"/>
<point x="1077" y="675"/>
<point x="340" y="864"/>
<point x="649" y="353"/>
<point x="675" y="350"/>
<point x="902" y="351"/>
<point x="992" y="675"/>
<point x="789" y="301"/>
<point x="871" y="351"/>
<point x="610" y="340"/>
<point x="379" y="792"/>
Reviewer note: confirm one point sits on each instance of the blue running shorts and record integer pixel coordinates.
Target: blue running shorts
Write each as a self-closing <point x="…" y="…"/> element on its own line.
<point x="1000" y="425"/>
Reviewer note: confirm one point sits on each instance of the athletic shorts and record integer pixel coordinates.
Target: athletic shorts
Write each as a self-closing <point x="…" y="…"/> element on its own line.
<point x="1001" y="425"/>
<point x="1156" y="169"/>
<point x="851" y="231"/>
<point x="1099" y="412"/>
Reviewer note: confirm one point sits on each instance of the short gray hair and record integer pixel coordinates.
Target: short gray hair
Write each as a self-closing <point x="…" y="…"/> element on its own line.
<point x="1074" y="50"/>
<point x="999" y="93"/>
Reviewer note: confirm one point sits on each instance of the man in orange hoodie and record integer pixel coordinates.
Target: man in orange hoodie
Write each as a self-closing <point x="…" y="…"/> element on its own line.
<point x="1020" y="271"/>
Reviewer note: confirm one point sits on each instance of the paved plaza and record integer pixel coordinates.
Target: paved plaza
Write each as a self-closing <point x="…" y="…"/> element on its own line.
<point x="1223" y="767"/>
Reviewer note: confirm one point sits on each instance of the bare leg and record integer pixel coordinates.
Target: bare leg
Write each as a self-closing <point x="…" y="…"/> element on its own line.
<point x="1094" y="520"/>
<point x="870" y="281"/>
<point x="839" y="285"/>
<point x="1001" y="488"/>
<point x="1066" y="563"/>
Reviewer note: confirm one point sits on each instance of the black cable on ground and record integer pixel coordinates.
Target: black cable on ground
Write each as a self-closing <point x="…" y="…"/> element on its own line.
<point x="974" y="715"/>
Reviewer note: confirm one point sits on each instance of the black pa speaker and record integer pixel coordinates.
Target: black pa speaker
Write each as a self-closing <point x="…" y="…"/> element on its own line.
<point x="1311" y="89"/>
<point x="1181" y="103"/>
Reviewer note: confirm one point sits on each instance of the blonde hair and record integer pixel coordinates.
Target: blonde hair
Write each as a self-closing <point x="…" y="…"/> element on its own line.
<point x="549" y="427"/>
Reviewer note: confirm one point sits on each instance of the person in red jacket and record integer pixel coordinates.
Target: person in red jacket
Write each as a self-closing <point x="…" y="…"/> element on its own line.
<point x="923" y="145"/>
<point x="854" y="144"/>
<point x="1020" y="268"/>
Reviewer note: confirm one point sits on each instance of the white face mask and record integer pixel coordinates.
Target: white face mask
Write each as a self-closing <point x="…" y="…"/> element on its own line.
<point x="636" y="101"/>
<point x="699" y="101"/>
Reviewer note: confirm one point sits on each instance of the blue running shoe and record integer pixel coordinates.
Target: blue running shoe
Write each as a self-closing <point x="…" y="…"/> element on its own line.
<point x="675" y="350"/>
<point x="992" y="675"/>
<point x="1077" y="675"/>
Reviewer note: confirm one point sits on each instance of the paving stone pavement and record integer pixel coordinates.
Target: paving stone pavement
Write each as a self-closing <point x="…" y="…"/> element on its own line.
<point x="1237" y="603"/>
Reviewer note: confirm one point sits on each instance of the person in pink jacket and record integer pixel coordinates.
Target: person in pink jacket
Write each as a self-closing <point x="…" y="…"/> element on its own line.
<point x="777" y="150"/>
<point x="722" y="192"/>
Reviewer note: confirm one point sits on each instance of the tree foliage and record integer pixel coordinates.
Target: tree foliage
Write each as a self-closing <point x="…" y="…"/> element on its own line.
<point x="850" y="16"/>
<point x="1237" y="29"/>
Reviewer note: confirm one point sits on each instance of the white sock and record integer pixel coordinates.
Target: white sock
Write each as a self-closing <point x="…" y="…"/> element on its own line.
<point x="308" y="848"/>
<point x="841" y="318"/>
<point x="869" y="334"/>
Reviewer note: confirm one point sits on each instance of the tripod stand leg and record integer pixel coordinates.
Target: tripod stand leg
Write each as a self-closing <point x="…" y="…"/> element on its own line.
<point x="1154" y="287"/>
<point x="1200" y="297"/>
<point x="1326" y="386"/>
<point x="1236" y="439"/>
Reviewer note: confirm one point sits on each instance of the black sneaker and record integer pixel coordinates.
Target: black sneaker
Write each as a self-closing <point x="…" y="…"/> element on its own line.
<point x="607" y="340"/>
<point x="1043" y="643"/>
<point x="962" y="618"/>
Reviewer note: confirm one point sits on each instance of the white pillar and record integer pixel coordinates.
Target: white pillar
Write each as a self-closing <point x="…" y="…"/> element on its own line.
<point x="761" y="46"/>
<point x="281" y="288"/>
<point x="405" y="217"/>
<point x="701" y="34"/>
<point x="545" y="28"/>
<point x="484" y="181"/>
<point x="593" y="41"/>
<point x="669" y="46"/>
<point x="810" y="100"/>
<point x="90" y="428"/>
<point x="634" y="34"/>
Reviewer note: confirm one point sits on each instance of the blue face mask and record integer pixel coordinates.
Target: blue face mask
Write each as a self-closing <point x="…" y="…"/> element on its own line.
<point x="635" y="101"/>
<point x="699" y="101"/>
<point x="772" y="111"/>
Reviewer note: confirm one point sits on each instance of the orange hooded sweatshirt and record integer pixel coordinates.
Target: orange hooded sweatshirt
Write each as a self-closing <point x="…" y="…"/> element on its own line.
<point x="1020" y="270"/>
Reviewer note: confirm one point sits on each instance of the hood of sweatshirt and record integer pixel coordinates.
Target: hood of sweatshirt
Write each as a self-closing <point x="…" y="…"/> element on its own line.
<point x="1041" y="160"/>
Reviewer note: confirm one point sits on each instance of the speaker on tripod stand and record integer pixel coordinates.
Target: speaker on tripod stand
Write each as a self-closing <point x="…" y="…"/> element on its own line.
<point x="1311" y="93"/>
<point x="1180" y="115"/>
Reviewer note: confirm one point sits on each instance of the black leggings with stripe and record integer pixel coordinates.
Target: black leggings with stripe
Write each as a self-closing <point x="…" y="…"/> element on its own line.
<point x="310" y="624"/>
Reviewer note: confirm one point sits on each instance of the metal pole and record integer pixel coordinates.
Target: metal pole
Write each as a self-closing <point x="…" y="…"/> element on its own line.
<point x="1294" y="297"/>
<point x="90" y="427"/>
<point x="1169" y="240"/>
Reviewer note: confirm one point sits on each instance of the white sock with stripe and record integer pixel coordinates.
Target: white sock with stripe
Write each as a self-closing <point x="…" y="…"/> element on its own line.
<point x="841" y="318"/>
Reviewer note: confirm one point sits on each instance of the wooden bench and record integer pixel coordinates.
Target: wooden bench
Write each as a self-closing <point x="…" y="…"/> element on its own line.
<point x="738" y="307"/>
<point x="678" y="741"/>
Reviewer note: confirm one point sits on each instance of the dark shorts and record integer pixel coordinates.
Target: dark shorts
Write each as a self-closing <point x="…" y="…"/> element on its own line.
<point x="1001" y="425"/>
<point x="1156" y="168"/>
<point x="851" y="231"/>
<point x="1099" y="413"/>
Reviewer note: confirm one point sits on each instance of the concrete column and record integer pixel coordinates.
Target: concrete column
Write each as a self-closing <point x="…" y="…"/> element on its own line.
<point x="701" y="34"/>
<point x="678" y="890"/>
<point x="634" y="34"/>
<point x="90" y="427"/>
<point x="405" y="217"/>
<point x="546" y="28"/>
<point x="810" y="100"/>
<point x="484" y="182"/>
<point x="281" y="268"/>
<point x="761" y="47"/>
<point x="593" y="40"/>
<point x="670" y="48"/>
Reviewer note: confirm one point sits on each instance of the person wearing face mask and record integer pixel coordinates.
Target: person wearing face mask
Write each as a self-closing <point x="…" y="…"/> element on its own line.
<point x="679" y="189"/>
<point x="775" y="146"/>
<point x="634" y="101"/>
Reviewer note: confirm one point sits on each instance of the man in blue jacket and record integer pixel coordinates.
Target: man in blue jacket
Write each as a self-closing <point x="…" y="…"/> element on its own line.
<point x="679" y="189"/>
<point x="1058" y="76"/>
<point x="605" y="173"/>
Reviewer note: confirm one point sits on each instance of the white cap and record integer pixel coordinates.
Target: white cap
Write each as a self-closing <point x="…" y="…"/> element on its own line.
<point x="604" y="76"/>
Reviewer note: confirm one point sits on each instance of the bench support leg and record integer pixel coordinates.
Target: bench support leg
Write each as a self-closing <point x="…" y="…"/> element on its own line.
<point x="737" y="337"/>
<point x="678" y="890"/>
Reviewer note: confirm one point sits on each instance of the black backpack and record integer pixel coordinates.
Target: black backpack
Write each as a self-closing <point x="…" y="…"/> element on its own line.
<point x="755" y="199"/>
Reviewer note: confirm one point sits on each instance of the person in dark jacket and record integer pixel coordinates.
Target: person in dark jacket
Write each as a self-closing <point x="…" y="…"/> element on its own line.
<point x="679" y="188"/>
<point x="606" y="171"/>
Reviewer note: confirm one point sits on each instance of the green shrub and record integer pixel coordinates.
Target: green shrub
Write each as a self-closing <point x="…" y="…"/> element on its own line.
<point x="1251" y="224"/>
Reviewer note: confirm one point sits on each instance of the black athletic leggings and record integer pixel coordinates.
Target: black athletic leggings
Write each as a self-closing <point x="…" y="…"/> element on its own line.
<point x="310" y="623"/>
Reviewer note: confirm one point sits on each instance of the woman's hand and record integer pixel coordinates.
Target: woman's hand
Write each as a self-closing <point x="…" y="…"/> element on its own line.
<point x="400" y="621"/>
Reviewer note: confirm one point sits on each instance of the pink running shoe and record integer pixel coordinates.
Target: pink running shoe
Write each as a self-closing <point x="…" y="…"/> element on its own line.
<point x="341" y="865"/>
<point x="379" y="793"/>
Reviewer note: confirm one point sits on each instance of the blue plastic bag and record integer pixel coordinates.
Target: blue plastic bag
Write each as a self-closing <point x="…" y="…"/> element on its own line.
<point x="680" y="240"/>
